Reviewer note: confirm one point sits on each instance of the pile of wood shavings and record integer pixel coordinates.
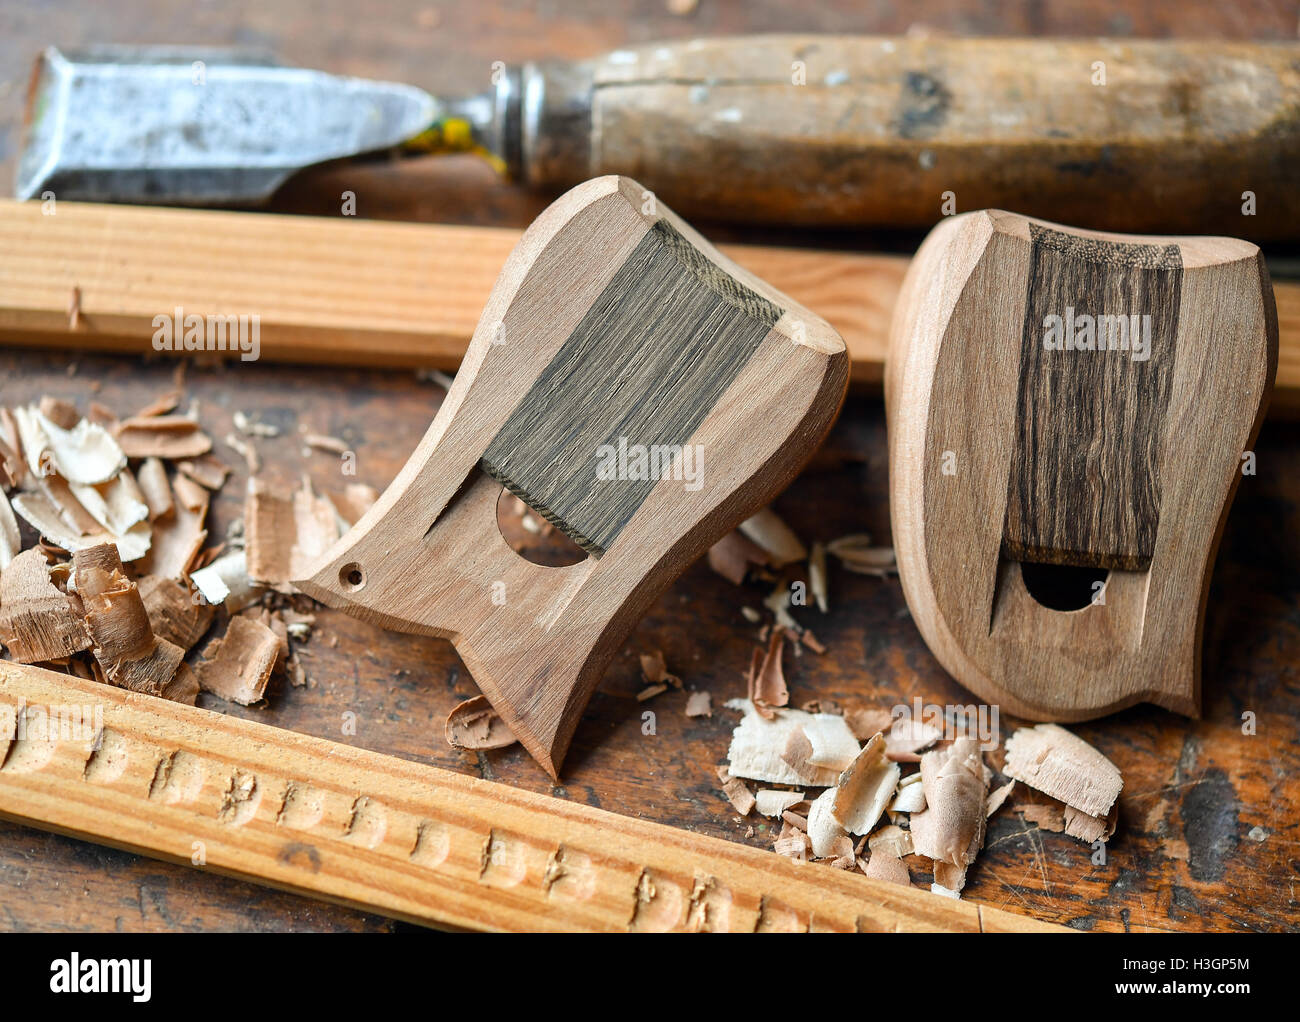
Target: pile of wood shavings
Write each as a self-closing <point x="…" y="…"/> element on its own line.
<point x="869" y="814"/>
<point x="118" y="581"/>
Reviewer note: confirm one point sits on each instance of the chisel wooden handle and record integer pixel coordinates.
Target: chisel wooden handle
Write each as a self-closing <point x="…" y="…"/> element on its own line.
<point x="1116" y="135"/>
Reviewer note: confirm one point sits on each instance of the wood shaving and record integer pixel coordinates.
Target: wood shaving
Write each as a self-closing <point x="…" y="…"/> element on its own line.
<point x="156" y="490"/>
<point x="939" y="889"/>
<point x="161" y="405"/>
<point x="699" y="704"/>
<point x="10" y="538"/>
<point x="117" y="505"/>
<point x="732" y="556"/>
<point x="172" y="437"/>
<point x="751" y="615"/>
<point x="247" y="451"/>
<point x="238" y="666"/>
<point x="650" y="691"/>
<point x="910" y="797"/>
<point x="328" y="444"/>
<point x="857" y="554"/>
<point x="177" y="539"/>
<point x="84" y="455"/>
<point x="892" y="841"/>
<point x="817" y="576"/>
<point x="997" y="797"/>
<point x="882" y="866"/>
<point x="831" y="744"/>
<point x="952" y="827"/>
<point x="225" y="581"/>
<point x="907" y="737"/>
<point x="1046" y="815"/>
<point x="1059" y="763"/>
<point x="824" y="831"/>
<point x="770" y="802"/>
<point x="865" y="788"/>
<point x="174" y="614"/>
<point x="864" y="723"/>
<point x="775" y="537"/>
<point x="124" y="643"/>
<point x="767" y="688"/>
<point x="355" y="500"/>
<point x="792" y="842"/>
<point x="62" y="413"/>
<point x="655" y="670"/>
<point x="12" y="469"/>
<point x="1090" y="828"/>
<point x="736" y="791"/>
<point x="474" y="725"/>
<point x="251" y="428"/>
<point x="38" y="621"/>
<point x="184" y="686"/>
<point x="207" y="471"/>
<point x="285" y="536"/>
<point x="806" y="638"/>
<point x="757" y="744"/>
<point x="189" y="494"/>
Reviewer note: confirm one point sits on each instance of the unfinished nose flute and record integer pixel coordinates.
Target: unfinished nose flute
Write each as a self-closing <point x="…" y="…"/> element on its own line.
<point x="1069" y="416"/>
<point x="636" y="388"/>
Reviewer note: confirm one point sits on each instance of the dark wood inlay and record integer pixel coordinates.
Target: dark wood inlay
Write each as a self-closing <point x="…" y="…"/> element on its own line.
<point x="1084" y="487"/>
<point x="650" y="358"/>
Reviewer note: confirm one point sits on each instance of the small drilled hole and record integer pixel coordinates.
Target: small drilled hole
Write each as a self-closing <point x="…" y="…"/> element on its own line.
<point x="352" y="577"/>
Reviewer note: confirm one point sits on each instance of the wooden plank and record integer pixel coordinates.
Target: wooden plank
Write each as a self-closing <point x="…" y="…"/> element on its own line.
<point x="370" y="293"/>
<point x="427" y="845"/>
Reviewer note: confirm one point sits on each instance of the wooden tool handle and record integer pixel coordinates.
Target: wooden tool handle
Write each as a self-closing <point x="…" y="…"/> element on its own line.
<point x="407" y="840"/>
<point x="1133" y="135"/>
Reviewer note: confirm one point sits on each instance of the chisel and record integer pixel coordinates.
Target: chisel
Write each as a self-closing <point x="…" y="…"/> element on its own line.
<point x="1174" y="137"/>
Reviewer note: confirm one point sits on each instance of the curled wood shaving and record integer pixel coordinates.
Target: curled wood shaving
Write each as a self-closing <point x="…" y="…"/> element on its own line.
<point x="237" y="666"/>
<point x="736" y="791"/>
<point x="767" y="688"/>
<point x="952" y="827"/>
<point x="699" y="704"/>
<point x="38" y="621"/>
<point x="174" y="613"/>
<point x="824" y="831"/>
<point x="45" y="517"/>
<point x="116" y="505"/>
<point x="865" y="788"/>
<point x="10" y="539"/>
<point x="1059" y="763"/>
<point x="732" y="555"/>
<point x="831" y="744"/>
<point x="770" y="802"/>
<point x="154" y="487"/>
<point x="655" y="670"/>
<point x="857" y="554"/>
<point x="775" y="537"/>
<point x="792" y="842"/>
<point x="1090" y="828"/>
<point x="162" y="436"/>
<point x="892" y="841"/>
<point x="85" y="455"/>
<point x="124" y="643"/>
<point x="474" y="725"/>
<point x="757" y="744"/>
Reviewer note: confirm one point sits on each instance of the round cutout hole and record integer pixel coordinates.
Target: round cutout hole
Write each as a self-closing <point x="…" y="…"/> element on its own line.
<point x="1063" y="586"/>
<point x="532" y="537"/>
<point x="352" y="578"/>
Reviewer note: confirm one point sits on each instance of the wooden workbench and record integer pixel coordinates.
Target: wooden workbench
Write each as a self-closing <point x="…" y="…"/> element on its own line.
<point x="1207" y="834"/>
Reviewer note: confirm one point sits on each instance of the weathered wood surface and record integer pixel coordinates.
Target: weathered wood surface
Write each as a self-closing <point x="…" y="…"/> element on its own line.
<point x="1207" y="818"/>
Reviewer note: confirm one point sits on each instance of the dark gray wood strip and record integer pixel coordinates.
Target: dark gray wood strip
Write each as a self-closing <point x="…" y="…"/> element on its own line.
<point x="628" y="389"/>
<point x="1084" y="487"/>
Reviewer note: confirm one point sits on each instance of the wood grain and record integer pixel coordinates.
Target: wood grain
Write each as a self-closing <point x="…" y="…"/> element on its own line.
<point x="1084" y="484"/>
<point x="370" y="294"/>
<point x="429" y="557"/>
<point x="383" y="834"/>
<point x="955" y="433"/>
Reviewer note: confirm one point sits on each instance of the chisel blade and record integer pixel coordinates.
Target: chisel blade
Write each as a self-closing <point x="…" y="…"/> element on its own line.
<point x="198" y="126"/>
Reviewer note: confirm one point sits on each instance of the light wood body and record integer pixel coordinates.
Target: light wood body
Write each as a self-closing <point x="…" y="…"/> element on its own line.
<point x="365" y="293"/>
<point x="951" y="388"/>
<point x="387" y="835"/>
<point x="431" y="556"/>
